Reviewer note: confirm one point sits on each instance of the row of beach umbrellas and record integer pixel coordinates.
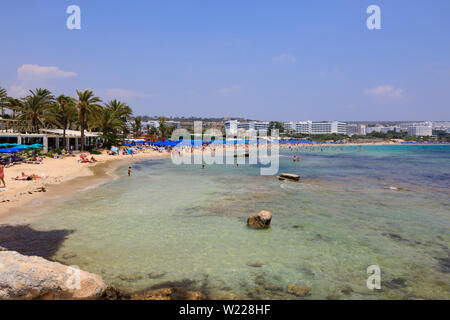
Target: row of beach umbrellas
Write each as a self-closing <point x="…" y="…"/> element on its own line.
<point x="15" y="147"/>
<point x="168" y="143"/>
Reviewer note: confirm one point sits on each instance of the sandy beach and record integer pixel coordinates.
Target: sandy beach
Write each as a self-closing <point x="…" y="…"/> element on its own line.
<point x="55" y="172"/>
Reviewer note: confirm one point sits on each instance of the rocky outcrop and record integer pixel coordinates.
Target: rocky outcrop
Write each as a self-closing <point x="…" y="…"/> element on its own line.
<point x="26" y="277"/>
<point x="289" y="176"/>
<point x="3" y="249"/>
<point x="260" y="221"/>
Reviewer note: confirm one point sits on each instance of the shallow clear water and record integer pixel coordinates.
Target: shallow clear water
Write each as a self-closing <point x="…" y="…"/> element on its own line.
<point x="326" y="230"/>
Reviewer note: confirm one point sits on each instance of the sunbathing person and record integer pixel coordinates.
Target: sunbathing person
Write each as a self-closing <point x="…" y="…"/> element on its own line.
<point x="25" y="177"/>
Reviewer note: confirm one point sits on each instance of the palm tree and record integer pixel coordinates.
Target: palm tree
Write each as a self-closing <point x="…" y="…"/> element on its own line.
<point x="163" y="127"/>
<point x="66" y="108"/>
<point x="86" y="103"/>
<point x="153" y="132"/>
<point x="137" y="126"/>
<point x="121" y="110"/>
<point x="13" y="104"/>
<point x="3" y="100"/>
<point x="36" y="109"/>
<point x="107" y="122"/>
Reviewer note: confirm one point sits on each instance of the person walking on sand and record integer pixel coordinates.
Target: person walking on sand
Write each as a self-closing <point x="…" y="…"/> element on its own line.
<point x="129" y="171"/>
<point x="2" y="174"/>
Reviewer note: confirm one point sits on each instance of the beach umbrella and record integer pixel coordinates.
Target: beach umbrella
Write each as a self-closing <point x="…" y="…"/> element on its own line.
<point x="9" y="150"/>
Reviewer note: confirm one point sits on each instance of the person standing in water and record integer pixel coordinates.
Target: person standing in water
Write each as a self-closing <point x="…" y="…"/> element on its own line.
<point x="2" y="175"/>
<point x="129" y="171"/>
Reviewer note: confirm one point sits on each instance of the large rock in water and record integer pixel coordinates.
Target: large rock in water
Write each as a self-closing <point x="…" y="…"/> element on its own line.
<point x="25" y="277"/>
<point x="289" y="176"/>
<point x="260" y="220"/>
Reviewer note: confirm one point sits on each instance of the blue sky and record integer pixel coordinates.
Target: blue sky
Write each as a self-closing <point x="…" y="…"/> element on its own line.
<point x="268" y="60"/>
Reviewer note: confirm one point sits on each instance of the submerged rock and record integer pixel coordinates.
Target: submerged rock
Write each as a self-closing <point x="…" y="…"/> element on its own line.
<point x="300" y="291"/>
<point x="347" y="290"/>
<point x="444" y="264"/>
<point x="396" y="283"/>
<point x="130" y="278"/>
<point x="156" y="275"/>
<point x="261" y="220"/>
<point x="168" y="294"/>
<point x="157" y="294"/>
<point x="255" y="264"/>
<point x="30" y="277"/>
<point x="289" y="176"/>
<point x="69" y="255"/>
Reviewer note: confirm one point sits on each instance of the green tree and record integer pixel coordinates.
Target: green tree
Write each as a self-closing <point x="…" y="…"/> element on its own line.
<point x="163" y="128"/>
<point x="153" y="132"/>
<point x="66" y="109"/>
<point x="108" y="123"/>
<point x="36" y="110"/>
<point x="121" y="110"/>
<point x="137" y="126"/>
<point x="3" y="101"/>
<point x="87" y="103"/>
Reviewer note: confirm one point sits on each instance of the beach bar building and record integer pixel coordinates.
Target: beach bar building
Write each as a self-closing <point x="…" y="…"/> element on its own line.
<point x="51" y="138"/>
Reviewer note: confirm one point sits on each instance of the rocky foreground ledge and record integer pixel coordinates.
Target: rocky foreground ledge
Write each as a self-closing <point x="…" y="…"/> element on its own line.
<point x="30" y="277"/>
<point x="25" y="277"/>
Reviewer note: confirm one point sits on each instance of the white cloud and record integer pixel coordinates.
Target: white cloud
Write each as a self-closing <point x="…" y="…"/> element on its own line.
<point x="30" y="76"/>
<point x="28" y="72"/>
<point x="234" y="88"/>
<point x="285" y="57"/>
<point x="125" y="94"/>
<point x="385" y="91"/>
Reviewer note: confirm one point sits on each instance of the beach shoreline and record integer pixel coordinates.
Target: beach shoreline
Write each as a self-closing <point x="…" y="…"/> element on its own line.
<point x="57" y="172"/>
<point x="59" y="178"/>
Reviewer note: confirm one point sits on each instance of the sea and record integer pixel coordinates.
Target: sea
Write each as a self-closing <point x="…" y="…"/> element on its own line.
<point x="355" y="209"/>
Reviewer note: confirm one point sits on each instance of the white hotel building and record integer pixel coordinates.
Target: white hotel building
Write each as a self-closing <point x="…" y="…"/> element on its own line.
<point x="303" y="127"/>
<point x="232" y="126"/>
<point x="323" y="127"/>
<point x="420" y="131"/>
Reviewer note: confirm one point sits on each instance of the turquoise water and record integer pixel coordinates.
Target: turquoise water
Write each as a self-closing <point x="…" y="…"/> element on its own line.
<point x="385" y="205"/>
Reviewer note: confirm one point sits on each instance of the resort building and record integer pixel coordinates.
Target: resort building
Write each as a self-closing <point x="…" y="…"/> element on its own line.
<point x="303" y="127"/>
<point x="289" y="126"/>
<point x="356" y="129"/>
<point x="420" y="131"/>
<point x="231" y="126"/>
<point x="383" y="129"/>
<point x="253" y="125"/>
<point x="323" y="127"/>
<point x="52" y="138"/>
<point x="328" y="127"/>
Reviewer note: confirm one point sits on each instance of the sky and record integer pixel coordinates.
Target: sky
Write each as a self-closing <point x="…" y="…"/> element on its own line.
<point x="257" y="59"/>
